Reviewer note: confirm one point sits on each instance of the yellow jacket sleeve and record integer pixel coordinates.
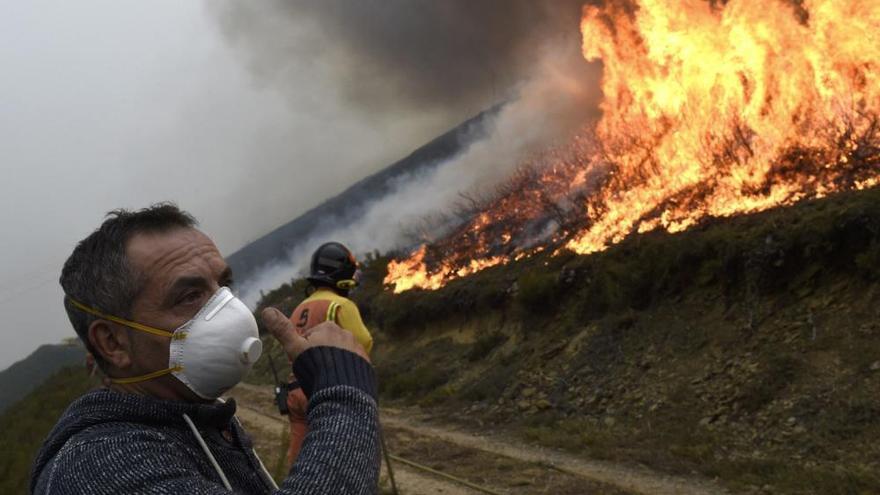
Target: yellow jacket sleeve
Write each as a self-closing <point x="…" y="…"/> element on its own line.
<point x="349" y="318"/>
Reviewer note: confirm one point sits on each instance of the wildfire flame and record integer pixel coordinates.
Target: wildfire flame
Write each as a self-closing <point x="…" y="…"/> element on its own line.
<point x="413" y="273"/>
<point x="709" y="109"/>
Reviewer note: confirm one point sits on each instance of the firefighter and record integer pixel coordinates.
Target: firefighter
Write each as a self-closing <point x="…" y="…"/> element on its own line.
<point x="333" y="273"/>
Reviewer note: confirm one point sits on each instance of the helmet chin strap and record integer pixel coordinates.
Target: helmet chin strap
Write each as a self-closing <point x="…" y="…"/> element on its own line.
<point x="346" y="284"/>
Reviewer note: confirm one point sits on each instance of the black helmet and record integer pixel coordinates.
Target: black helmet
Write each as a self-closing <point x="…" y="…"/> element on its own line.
<point x="333" y="265"/>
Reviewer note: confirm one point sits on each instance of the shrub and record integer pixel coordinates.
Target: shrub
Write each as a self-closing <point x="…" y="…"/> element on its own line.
<point x="868" y="261"/>
<point x="538" y="292"/>
<point x="491" y="383"/>
<point x="485" y="344"/>
<point x="418" y="381"/>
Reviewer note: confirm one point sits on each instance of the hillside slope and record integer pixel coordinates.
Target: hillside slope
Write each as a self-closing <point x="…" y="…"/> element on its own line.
<point x="747" y="349"/>
<point x="28" y="421"/>
<point x="348" y="206"/>
<point x="19" y="379"/>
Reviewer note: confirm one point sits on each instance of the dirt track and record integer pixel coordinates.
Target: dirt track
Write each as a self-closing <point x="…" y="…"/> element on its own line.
<point x="267" y="427"/>
<point x="500" y="464"/>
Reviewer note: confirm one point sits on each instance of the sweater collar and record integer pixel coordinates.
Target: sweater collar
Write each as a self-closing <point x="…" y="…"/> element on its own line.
<point x="108" y="406"/>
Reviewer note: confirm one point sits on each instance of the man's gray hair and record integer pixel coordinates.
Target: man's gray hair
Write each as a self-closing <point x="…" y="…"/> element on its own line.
<point x="98" y="273"/>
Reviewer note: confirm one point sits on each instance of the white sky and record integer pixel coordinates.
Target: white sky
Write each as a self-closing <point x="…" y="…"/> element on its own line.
<point x="122" y="103"/>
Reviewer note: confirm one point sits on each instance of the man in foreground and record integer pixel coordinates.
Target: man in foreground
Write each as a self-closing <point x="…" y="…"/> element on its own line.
<point x="147" y="294"/>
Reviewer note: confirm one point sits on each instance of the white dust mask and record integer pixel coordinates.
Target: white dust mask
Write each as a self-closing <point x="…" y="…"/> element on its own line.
<point x="210" y="353"/>
<point x="217" y="347"/>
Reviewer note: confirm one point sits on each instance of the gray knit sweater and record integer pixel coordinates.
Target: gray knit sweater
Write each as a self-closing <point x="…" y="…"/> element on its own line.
<point x="113" y="443"/>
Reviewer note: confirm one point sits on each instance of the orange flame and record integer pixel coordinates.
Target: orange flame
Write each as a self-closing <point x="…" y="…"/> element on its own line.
<point x="708" y="111"/>
<point x="413" y="273"/>
<point x="749" y="81"/>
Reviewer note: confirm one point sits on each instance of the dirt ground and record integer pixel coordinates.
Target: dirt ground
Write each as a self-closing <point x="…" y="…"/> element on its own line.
<point x="490" y="461"/>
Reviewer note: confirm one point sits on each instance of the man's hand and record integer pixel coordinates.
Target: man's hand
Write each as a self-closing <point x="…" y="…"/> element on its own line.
<point x="324" y="334"/>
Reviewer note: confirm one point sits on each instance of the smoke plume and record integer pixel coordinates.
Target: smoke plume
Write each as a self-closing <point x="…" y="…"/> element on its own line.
<point x="390" y="60"/>
<point x="454" y="56"/>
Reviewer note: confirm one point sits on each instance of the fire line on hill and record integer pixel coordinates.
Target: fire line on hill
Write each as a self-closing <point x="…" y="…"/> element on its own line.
<point x="710" y="109"/>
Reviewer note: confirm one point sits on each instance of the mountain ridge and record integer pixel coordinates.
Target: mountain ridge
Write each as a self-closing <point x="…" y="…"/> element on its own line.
<point x="23" y="376"/>
<point x="349" y="205"/>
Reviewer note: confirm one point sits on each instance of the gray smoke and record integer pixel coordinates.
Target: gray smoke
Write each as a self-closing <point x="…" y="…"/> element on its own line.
<point x="451" y="56"/>
<point x="393" y="61"/>
<point x="548" y="108"/>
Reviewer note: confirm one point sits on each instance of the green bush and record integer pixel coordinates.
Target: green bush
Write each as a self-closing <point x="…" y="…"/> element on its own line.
<point x="491" y="384"/>
<point x="868" y="262"/>
<point x="602" y="292"/>
<point x="418" y="381"/>
<point x="538" y="292"/>
<point x="485" y="344"/>
<point x="437" y="396"/>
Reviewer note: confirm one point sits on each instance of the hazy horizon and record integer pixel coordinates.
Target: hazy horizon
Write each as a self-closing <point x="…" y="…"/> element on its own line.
<point x="123" y="104"/>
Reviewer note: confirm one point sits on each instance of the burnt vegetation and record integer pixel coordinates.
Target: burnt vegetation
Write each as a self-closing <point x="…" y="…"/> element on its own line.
<point x="560" y="192"/>
<point x="745" y="257"/>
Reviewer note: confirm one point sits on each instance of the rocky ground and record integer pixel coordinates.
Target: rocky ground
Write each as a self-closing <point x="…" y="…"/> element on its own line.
<point x="784" y="404"/>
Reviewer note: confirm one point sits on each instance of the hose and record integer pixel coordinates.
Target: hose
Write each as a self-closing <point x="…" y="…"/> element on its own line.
<point x="444" y="475"/>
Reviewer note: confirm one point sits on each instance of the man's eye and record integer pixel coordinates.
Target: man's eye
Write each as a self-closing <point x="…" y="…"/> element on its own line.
<point x="190" y="297"/>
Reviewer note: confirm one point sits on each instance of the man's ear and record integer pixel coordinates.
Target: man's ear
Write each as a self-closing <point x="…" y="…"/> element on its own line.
<point x="111" y="342"/>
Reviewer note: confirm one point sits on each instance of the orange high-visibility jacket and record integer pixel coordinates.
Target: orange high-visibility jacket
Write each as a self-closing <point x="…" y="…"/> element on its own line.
<point x="326" y="305"/>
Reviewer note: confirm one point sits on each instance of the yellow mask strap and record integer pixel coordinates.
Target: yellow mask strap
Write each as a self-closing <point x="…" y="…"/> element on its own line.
<point x="148" y="376"/>
<point x="346" y="284"/>
<point x="136" y="326"/>
<point x="115" y="319"/>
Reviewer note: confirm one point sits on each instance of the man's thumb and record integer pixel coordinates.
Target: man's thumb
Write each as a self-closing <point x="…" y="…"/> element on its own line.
<point x="282" y="329"/>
